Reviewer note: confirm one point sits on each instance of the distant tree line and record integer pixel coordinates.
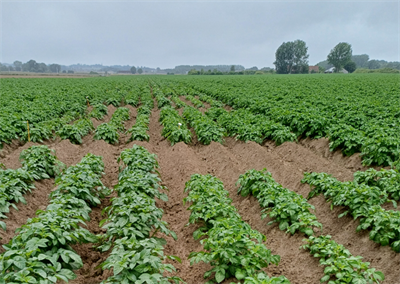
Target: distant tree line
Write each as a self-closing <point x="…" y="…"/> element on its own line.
<point x="232" y="71"/>
<point x="31" y="66"/>
<point x="363" y="61"/>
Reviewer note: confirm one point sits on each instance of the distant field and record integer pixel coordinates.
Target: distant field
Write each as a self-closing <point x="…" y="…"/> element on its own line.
<point x="339" y="133"/>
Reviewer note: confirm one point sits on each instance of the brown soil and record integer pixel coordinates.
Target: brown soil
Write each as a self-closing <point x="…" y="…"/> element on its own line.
<point x="287" y="163"/>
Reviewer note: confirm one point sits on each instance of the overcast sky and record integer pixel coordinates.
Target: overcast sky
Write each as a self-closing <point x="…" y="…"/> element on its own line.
<point x="169" y="33"/>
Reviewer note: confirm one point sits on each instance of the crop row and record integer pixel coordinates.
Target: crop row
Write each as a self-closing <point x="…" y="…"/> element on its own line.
<point x="206" y="129"/>
<point x="357" y="114"/>
<point x="246" y="126"/>
<point x="231" y="247"/>
<point x="139" y="130"/>
<point x="174" y="127"/>
<point x="363" y="201"/>
<point x="109" y="132"/>
<point x="292" y="212"/>
<point x="51" y="104"/>
<point x="133" y="221"/>
<point x="41" y="252"/>
<point x="38" y="162"/>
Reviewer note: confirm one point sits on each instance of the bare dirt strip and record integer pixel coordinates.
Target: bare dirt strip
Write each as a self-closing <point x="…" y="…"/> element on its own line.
<point x="286" y="162"/>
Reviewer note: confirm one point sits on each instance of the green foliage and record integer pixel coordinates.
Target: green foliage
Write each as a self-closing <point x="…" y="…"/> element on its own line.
<point x="291" y="57"/>
<point x="380" y="70"/>
<point x="178" y="103"/>
<point x="74" y="132"/>
<point x="210" y="100"/>
<point x="162" y="100"/>
<point x="52" y="103"/>
<point x="231" y="247"/>
<point x="107" y="132"/>
<point x="262" y="278"/>
<point x="41" y="162"/>
<point x="139" y="262"/>
<point x="386" y="180"/>
<point x="139" y="130"/>
<point x="350" y="66"/>
<point x="316" y="106"/>
<point x="340" y="55"/>
<point x="99" y="111"/>
<point x="174" y="128"/>
<point x="340" y="264"/>
<point x="206" y="129"/>
<point x="288" y="208"/>
<point x="118" y="118"/>
<point x="41" y="251"/>
<point x="364" y="202"/>
<point x="249" y="127"/>
<point x="197" y="103"/>
<point x="13" y="185"/>
<point x="133" y="219"/>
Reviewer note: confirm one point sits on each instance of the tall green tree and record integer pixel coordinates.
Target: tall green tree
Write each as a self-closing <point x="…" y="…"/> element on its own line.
<point x="140" y="71"/>
<point x="133" y="70"/>
<point x="340" y="55"/>
<point x="233" y="68"/>
<point x="291" y="57"/>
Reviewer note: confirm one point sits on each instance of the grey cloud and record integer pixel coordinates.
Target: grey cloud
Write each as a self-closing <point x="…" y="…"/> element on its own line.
<point x="166" y="34"/>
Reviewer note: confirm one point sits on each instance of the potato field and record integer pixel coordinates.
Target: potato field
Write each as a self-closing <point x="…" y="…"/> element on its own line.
<point x="200" y="179"/>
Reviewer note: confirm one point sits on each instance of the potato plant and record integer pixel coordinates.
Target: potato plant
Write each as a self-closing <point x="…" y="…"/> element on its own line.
<point x="231" y="247"/>
<point x="206" y="129"/>
<point x="74" y="132"/>
<point x="99" y="111"/>
<point x="340" y="265"/>
<point x="289" y="209"/>
<point x="363" y="202"/>
<point x="174" y="127"/>
<point x="139" y="130"/>
<point x="41" y="251"/>
<point x="133" y="219"/>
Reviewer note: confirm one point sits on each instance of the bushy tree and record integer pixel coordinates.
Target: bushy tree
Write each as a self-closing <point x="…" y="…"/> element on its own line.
<point x="291" y="57"/>
<point x="140" y="71"/>
<point x="133" y="70"/>
<point x="340" y="55"/>
<point x="350" y="66"/>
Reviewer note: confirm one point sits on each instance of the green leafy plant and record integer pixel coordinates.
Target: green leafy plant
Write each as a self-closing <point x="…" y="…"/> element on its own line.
<point x="107" y="132"/>
<point x="74" y="132"/>
<point x="341" y="265"/>
<point x="288" y="208"/>
<point x="41" y="162"/>
<point x="206" y="129"/>
<point x="364" y="202"/>
<point x="174" y="128"/>
<point x="99" y="111"/>
<point x="41" y="251"/>
<point x="231" y="247"/>
<point x="133" y="221"/>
